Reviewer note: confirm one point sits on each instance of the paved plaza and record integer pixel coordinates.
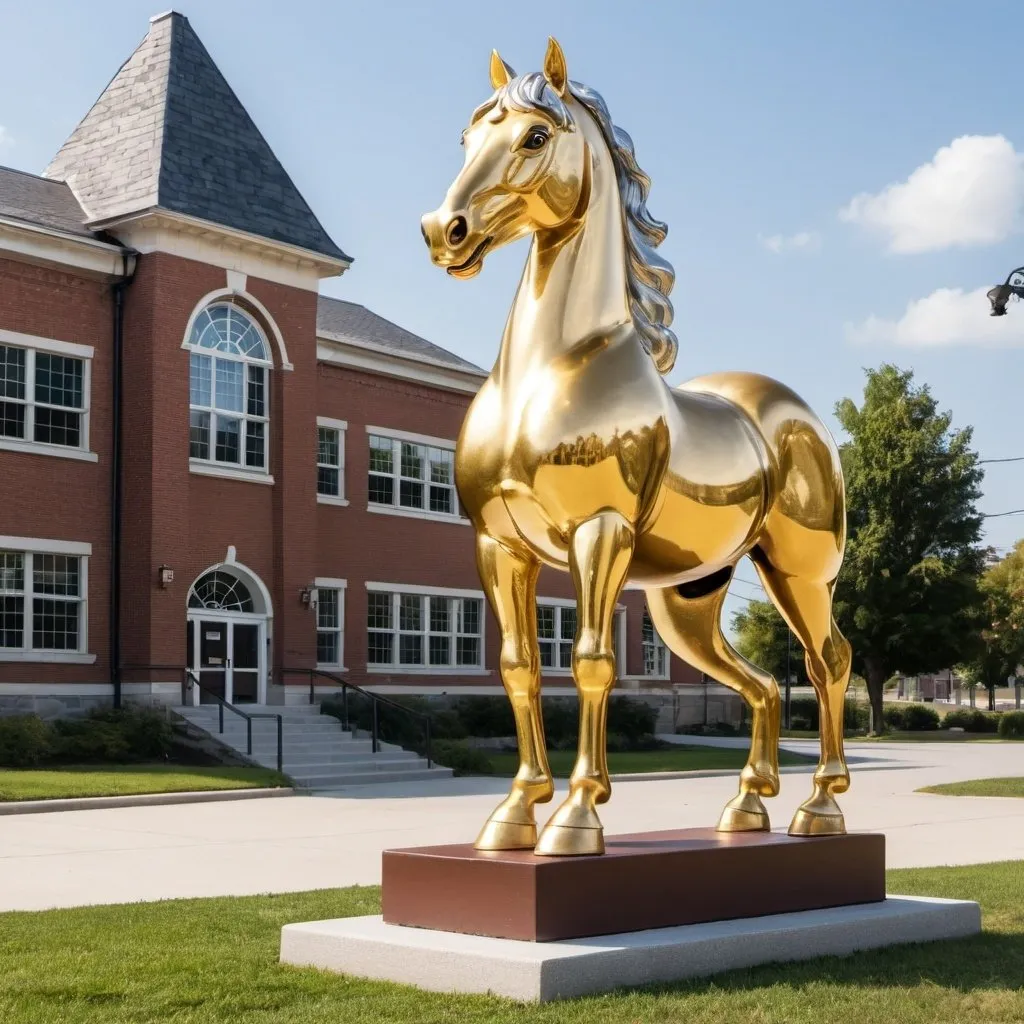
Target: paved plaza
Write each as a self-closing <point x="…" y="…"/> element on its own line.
<point x="121" y="855"/>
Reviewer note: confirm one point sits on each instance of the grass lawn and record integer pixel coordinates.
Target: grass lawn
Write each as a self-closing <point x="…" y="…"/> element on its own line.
<point x="979" y="787"/>
<point x="126" y="780"/>
<point x="670" y="759"/>
<point x="215" y="961"/>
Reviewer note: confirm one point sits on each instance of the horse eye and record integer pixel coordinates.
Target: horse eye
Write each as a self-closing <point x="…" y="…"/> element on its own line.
<point x="535" y="140"/>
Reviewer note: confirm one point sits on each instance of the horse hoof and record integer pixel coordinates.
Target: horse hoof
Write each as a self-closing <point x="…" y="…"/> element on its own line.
<point x="745" y="813"/>
<point x="566" y="841"/>
<point x="506" y="835"/>
<point x="818" y="816"/>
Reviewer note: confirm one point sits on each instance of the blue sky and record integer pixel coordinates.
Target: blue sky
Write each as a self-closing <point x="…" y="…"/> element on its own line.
<point x="759" y="124"/>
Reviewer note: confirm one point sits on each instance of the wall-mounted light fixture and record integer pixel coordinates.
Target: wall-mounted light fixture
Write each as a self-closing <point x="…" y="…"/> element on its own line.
<point x="166" y="575"/>
<point x="308" y="596"/>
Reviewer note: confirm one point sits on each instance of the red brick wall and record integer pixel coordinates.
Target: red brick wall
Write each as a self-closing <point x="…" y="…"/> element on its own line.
<point x="55" y="498"/>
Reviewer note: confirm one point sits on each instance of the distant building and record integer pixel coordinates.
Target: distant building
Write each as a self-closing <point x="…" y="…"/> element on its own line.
<point x="282" y="495"/>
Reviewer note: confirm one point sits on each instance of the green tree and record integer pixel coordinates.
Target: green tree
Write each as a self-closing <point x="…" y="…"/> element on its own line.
<point x="762" y="636"/>
<point x="1002" y="630"/>
<point x="907" y="597"/>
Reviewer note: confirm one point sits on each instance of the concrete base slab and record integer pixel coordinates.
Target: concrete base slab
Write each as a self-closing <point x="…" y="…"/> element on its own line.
<point x="544" y="971"/>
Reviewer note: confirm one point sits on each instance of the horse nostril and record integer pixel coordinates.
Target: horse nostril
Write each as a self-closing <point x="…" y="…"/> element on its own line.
<point x="457" y="231"/>
<point x="423" y="232"/>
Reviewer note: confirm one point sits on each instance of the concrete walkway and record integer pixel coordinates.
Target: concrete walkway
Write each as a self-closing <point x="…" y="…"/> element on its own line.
<point x="281" y="845"/>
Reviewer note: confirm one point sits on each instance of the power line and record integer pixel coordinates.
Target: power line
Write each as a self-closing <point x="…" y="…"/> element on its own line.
<point x="996" y="515"/>
<point x="1018" y="458"/>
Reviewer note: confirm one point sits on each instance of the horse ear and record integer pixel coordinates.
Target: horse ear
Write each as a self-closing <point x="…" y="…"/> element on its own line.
<point x="501" y="73"/>
<point x="554" y="67"/>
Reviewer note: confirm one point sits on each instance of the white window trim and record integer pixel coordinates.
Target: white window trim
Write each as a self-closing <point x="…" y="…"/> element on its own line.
<point x="417" y="590"/>
<point x="83" y="551"/>
<point x="619" y="626"/>
<point x="333" y="583"/>
<point x="401" y="510"/>
<point x="341" y="426"/>
<point x="32" y="344"/>
<point x="223" y="470"/>
<point x="659" y="642"/>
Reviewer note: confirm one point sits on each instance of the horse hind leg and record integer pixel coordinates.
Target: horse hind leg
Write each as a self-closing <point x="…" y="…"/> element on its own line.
<point x="688" y="618"/>
<point x="806" y="604"/>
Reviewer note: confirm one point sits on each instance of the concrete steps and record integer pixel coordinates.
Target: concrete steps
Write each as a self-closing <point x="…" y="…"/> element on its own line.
<point x="318" y="755"/>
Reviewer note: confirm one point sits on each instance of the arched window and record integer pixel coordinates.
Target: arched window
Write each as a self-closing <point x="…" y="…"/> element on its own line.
<point x="221" y="590"/>
<point x="228" y="395"/>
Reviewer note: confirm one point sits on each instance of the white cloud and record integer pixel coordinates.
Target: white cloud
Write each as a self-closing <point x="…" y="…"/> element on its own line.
<point x="807" y="240"/>
<point x="947" y="317"/>
<point x="970" y="193"/>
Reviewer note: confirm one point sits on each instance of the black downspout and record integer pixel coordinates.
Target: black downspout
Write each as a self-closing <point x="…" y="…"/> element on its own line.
<point x="116" y="482"/>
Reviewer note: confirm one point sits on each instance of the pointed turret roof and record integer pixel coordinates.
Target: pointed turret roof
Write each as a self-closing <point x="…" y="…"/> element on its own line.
<point x="169" y="133"/>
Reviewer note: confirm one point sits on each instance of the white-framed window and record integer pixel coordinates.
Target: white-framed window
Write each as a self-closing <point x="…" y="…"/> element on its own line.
<point x="229" y="368"/>
<point x="43" y="600"/>
<point x="413" y="629"/>
<point x="656" y="654"/>
<point x="330" y="623"/>
<point x="44" y="396"/>
<point x="330" y="461"/>
<point x="412" y="474"/>
<point x="556" y="633"/>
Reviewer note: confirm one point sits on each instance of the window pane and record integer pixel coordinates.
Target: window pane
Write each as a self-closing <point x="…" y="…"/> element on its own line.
<point x="442" y="462"/>
<point x="413" y="456"/>
<point x="56" y="426"/>
<point x="55" y="574"/>
<point x="567" y="629"/>
<point x="328" y="481"/>
<point x="545" y="621"/>
<point x="227" y="449"/>
<point x="327" y="648"/>
<point x="12" y="372"/>
<point x="469" y="616"/>
<point x="12" y="622"/>
<point x="12" y="420"/>
<point x="440" y="650"/>
<point x="58" y="380"/>
<point x="410" y="494"/>
<point x="327" y="446"/>
<point x="255" y="444"/>
<point x="468" y="649"/>
<point x="327" y="609"/>
<point x="547" y="653"/>
<point x="440" y="618"/>
<point x="410" y="649"/>
<point x="257" y="403"/>
<point x="199" y="370"/>
<point x="442" y="499"/>
<point x="228" y="377"/>
<point x="54" y="625"/>
<point x="410" y="613"/>
<point x="378" y="609"/>
<point x="12" y="571"/>
<point x="381" y="455"/>
<point x="199" y="435"/>
<point x="379" y="648"/>
<point x="565" y="654"/>
<point x="382" y="489"/>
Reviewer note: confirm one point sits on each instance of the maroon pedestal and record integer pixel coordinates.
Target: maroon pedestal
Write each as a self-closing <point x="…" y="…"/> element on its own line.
<point x="649" y="880"/>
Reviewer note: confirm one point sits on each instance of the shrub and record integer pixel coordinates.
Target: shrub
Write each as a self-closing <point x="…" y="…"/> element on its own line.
<point x="805" y="714"/>
<point x="462" y="758"/>
<point x="1011" y="725"/>
<point x="971" y="720"/>
<point x="919" y="718"/>
<point x="485" y="717"/>
<point x="108" y="734"/>
<point x="634" y="720"/>
<point x="25" y="741"/>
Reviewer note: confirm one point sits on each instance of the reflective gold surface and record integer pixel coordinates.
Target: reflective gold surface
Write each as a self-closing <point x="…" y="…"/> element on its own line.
<point x="576" y="453"/>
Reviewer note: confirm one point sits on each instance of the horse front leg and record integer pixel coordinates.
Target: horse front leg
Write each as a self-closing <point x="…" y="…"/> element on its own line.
<point x="510" y="582"/>
<point x="599" y="557"/>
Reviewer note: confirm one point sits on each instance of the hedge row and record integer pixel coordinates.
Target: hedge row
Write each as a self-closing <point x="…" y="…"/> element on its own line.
<point x="105" y="735"/>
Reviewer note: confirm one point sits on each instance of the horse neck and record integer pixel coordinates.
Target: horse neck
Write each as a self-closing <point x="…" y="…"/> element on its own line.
<point x="574" y="286"/>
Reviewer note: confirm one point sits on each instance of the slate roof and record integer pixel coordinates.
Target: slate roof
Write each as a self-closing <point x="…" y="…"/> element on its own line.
<point x="356" y="323"/>
<point x="40" y="201"/>
<point x="169" y="132"/>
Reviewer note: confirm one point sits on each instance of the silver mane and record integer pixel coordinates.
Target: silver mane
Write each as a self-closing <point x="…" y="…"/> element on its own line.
<point x="649" y="277"/>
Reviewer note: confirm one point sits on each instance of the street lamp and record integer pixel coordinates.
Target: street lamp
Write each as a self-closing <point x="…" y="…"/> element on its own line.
<point x="1000" y="295"/>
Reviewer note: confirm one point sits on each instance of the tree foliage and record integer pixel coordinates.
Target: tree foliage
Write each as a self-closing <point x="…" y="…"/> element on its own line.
<point x="762" y="636"/>
<point x="907" y="597"/>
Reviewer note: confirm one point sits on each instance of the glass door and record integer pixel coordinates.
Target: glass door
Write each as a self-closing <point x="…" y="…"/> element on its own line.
<point x="214" y="663"/>
<point x="244" y="666"/>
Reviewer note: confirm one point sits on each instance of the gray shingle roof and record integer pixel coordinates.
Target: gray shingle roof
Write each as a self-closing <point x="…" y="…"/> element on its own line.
<point x="40" y="201"/>
<point x="169" y="132"/>
<point x="355" y="323"/>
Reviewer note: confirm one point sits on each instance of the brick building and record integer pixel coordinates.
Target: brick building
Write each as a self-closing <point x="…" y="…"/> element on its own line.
<point x="206" y="463"/>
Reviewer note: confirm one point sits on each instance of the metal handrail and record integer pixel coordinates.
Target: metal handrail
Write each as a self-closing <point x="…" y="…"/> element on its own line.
<point x="376" y="700"/>
<point x="190" y="680"/>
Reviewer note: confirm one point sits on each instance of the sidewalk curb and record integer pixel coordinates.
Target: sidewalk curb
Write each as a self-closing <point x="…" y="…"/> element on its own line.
<point x="95" y="803"/>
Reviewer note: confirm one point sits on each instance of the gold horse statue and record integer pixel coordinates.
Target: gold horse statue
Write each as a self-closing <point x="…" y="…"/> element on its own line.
<point x="576" y="454"/>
